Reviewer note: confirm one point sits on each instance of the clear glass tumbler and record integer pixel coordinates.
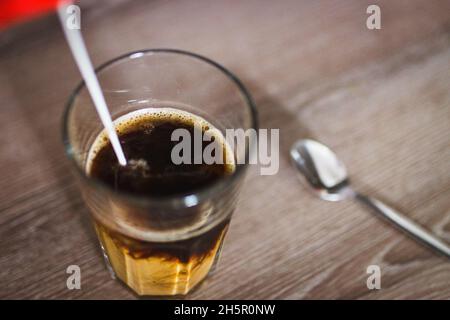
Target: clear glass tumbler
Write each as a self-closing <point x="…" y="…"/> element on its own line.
<point x="160" y="246"/>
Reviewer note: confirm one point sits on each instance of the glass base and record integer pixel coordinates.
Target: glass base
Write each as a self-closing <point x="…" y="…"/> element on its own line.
<point x="156" y="275"/>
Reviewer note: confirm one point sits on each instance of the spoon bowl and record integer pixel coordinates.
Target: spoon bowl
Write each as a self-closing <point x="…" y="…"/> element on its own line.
<point x="321" y="170"/>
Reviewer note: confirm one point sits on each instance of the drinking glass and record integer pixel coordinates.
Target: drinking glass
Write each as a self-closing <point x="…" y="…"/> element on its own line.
<point x="160" y="245"/>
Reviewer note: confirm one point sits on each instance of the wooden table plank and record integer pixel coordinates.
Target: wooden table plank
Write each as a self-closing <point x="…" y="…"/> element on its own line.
<point x="380" y="98"/>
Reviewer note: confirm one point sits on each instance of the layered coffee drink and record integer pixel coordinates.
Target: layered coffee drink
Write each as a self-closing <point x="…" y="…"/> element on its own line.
<point x="153" y="250"/>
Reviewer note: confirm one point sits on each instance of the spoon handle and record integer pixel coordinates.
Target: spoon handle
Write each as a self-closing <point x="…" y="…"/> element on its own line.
<point x="406" y="224"/>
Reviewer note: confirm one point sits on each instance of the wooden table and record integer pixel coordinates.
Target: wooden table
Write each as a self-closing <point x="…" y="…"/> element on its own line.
<point x="380" y="98"/>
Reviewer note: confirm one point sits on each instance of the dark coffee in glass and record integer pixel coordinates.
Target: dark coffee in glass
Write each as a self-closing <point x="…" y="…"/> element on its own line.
<point x="172" y="267"/>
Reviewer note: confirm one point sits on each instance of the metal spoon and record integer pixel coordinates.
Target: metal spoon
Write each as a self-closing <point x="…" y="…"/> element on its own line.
<point x="327" y="176"/>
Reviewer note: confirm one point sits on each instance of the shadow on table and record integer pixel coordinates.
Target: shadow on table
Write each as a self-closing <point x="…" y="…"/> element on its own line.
<point x="273" y="114"/>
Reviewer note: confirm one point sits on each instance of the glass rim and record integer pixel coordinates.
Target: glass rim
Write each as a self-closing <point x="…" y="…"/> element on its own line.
<point x="183" y="200"/>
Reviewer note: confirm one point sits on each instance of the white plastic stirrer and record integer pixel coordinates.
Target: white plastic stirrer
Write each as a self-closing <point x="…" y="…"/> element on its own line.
<point x="76" y="44"/>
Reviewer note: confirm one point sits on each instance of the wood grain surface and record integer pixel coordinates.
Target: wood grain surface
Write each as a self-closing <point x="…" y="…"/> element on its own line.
<point x="380" y="98"/>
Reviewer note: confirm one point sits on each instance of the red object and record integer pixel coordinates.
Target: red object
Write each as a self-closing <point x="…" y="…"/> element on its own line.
<point x="13" y="11"/>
